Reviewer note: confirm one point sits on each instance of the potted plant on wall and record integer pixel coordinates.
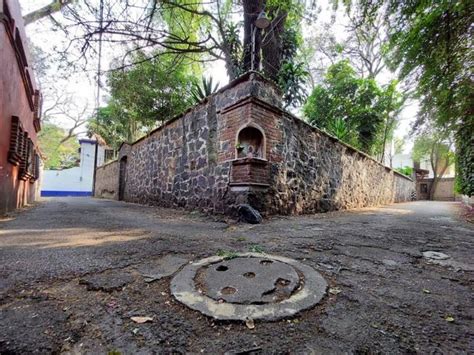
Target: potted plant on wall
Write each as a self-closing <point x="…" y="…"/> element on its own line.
<point x="240" y="149"/>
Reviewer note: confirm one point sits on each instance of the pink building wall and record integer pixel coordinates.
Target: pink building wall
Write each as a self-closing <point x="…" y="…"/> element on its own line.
<point x="19" y="97"/>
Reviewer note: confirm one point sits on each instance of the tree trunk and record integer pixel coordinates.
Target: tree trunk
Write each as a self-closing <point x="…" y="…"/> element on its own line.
<point x="272" y="46"/>
<point x="435" y="161"/>
<point x="252" y="8"/>
<point x="47" y="10"/>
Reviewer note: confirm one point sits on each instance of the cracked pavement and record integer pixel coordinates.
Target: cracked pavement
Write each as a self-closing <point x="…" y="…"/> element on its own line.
<point x="385" y="297"/>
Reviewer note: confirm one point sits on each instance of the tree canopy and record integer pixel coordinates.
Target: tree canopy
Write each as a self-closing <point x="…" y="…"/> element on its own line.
<point x="430" y="44"/>
<point x="435" y="146"/>
<point x="354" y="109"/>
<point x="58" y="150"/>
<point x="427" y="43"/>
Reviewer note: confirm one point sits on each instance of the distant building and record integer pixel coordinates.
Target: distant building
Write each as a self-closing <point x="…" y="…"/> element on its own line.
<point x="20" y="108"/>
<point x="404" y="160"/>
<point x="424" y="177"/>
<point x="444" y="190"/>
<point x="76" y="181"/>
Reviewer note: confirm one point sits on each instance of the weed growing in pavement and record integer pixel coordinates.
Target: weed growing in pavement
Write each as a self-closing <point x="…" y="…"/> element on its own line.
<point x="227" y="254"/>
<point x="256" y="249"/>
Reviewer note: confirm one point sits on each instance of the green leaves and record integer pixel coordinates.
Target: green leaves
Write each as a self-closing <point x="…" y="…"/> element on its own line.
<point x="144" y="96"/>
<point x="58" y="154"/>
<point x="291" y="79"/>
<point x="465" y="159"/>
<point x="353" y="109"/>
<point x="202" y="89"/>
<point x="431" y="44"/>
<point x="406" y="170"/>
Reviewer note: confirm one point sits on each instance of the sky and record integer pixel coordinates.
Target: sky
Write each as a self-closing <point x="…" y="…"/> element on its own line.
<point x="81" y="85"/>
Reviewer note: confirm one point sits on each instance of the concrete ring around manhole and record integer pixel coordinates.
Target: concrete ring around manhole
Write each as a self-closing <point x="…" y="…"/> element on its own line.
<point x="296" y="287"/>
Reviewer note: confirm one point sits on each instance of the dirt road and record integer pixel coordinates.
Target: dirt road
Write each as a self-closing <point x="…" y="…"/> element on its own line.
<point x="70" y="280"/>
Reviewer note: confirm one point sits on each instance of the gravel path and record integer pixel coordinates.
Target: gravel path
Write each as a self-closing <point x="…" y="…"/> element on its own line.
<point x="385" y="296"/>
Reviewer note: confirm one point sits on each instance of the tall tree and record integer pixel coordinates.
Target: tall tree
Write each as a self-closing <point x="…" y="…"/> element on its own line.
<point x="431" y="45"/>
<point x="45" y="11"/>
<point x="58" y="150"/>
<point x="354" y="109"/>
<point x="202" y="31"/>
<point x="436" y="146"/>
<point x="142" y="97"/>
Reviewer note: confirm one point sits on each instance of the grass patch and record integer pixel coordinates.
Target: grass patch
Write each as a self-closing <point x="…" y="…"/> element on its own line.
<point x="227" y="254"/>
<point x="256" y="249"/>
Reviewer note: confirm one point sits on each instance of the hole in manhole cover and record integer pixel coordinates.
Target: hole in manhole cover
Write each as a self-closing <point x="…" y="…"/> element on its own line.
<point x="263" y="287"/>
<point x="228" y="290"/>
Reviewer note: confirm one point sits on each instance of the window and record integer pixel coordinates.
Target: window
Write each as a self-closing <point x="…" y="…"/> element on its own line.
<point x="16" y="135"/>
<point x="250" y="143"/>
<point x="37" y="103"/>
<point x="26" y="164"/>
<point x="109" y="155"/>
<point x="424" y="188"/>
<point x="36" y="170"/>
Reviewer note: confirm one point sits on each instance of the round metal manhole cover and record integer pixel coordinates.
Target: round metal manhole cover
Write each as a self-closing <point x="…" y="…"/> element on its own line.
<point x="252" y="285"/>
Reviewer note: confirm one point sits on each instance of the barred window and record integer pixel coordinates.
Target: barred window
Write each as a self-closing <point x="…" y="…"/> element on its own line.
<point x="109" y="155"/>
<point x="38" y="101"/>
<point x="26" y="160"/>
<point x="16" y="135"/>
<point x="35" y="166"/>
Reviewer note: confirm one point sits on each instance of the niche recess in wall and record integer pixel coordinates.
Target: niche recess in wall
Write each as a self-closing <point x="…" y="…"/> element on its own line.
<point x="250" y="143"/>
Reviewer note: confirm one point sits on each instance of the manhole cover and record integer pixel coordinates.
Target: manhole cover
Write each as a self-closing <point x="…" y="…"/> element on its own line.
<point x="252" y="285"/>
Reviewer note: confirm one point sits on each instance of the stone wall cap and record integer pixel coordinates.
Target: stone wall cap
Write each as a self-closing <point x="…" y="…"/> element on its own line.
<point x="249" y="76"/>
<point x="107" y="164"/>
<point x="337" y="140"/>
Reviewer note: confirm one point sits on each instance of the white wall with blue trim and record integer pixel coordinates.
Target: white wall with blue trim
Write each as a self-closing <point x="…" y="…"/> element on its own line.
<point x="75" y="181"/>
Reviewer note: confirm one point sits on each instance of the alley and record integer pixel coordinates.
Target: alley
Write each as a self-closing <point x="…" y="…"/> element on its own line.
<point x="384" y="294"/>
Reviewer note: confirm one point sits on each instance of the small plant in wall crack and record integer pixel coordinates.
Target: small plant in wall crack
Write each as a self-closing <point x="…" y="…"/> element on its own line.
<point x="227" y="254"/>
<point x="256" y="249"/>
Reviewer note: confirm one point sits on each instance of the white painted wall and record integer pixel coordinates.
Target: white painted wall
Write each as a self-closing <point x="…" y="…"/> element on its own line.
<point x="78" y="179"/>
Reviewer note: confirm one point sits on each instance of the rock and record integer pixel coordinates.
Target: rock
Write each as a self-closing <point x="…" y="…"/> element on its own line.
<point x="389" y="263"/>
<point x="141" y="320"/>
<point x="249" y="214"/>
<point x="164" y="267"/>
<point x="435" y="255"/>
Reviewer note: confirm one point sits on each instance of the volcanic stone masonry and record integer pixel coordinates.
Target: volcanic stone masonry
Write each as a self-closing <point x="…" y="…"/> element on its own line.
<point x="238" y="146"/>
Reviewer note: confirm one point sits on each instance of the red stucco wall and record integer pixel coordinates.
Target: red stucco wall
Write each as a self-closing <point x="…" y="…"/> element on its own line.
<point x="14" y="193"/>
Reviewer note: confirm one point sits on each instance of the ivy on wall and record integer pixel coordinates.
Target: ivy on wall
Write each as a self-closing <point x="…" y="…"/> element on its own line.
<point x="465" y="159"/>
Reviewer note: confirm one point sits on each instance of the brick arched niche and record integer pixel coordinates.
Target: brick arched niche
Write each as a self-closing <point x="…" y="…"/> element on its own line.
<point x="250" y="166"/>
<point x="250" y="142"/>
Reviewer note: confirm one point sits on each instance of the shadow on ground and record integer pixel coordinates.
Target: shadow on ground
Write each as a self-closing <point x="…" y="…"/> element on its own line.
<point x="70" y="280"/>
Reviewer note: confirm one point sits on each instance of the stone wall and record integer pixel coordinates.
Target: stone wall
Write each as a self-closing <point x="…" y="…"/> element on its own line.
<point x="179" y="164"/>
<point x="107" y="179"/>
<point x="314" y="172"/>
<point x="239" y="146"/>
